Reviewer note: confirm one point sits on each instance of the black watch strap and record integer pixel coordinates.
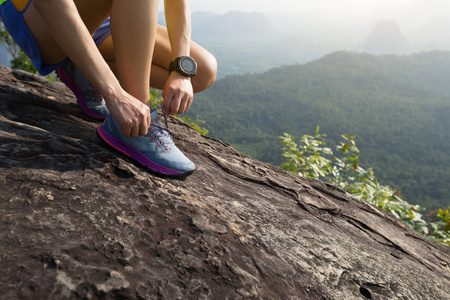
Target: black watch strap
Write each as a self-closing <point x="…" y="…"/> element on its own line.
<point x="188" y="62"/>
<point x="172" y="64"/>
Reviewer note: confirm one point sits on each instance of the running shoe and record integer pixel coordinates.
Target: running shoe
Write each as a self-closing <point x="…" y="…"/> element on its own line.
<point x="89" y="99"/>
<point x="155" y="150"/>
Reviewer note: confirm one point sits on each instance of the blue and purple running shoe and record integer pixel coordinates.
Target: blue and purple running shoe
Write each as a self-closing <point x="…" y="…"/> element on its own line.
<point x="89" y="99"/>
<point x="155" y="150"/>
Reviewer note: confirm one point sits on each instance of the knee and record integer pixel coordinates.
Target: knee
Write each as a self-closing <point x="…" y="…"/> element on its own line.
<point x="207" y="72"/>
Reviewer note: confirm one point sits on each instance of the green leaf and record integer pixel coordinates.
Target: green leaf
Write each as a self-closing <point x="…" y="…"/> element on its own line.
<point x="317" y="131"/>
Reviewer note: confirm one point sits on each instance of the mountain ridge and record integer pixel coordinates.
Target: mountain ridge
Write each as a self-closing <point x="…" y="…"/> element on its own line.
<point x="386" y="101"/>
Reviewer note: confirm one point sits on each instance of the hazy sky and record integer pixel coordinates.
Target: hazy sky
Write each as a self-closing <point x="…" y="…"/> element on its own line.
<point x="292" y="6"/>
<point x="344" y="8"/>
<point x="347" y="23"/>
<point x="222" y="6"/>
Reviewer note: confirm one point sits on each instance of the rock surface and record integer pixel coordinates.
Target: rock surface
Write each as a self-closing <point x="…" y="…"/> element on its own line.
<point x="81" y="221"/>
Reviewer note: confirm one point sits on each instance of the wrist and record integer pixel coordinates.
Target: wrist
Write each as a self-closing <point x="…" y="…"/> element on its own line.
<point x="175" y="75"/>
<point x="184" y="65"/>
<point x="111" y="93"/>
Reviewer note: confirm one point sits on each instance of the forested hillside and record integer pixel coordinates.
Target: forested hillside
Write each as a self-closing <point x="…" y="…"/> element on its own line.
<point x="397" y="106"/>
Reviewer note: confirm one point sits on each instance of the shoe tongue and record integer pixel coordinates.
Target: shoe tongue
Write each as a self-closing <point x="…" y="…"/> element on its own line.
<point x="154" y="115"/>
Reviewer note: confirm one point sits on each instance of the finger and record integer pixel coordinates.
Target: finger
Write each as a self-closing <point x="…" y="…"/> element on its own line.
<point x="175" y="107"/>
<point x="172" y="97"/>
<point x="143" y="126"/>
<point x="167" y="104"/>
<point x="163" y="94"/>
<point x="167" y="101"/>
<point x="145" y="122"/>
<point x="149" y="120"/>
<point x="175" y="104"/>
<point x="188" y="103"/>
<point x="135" y="130"/>
<point x="183" y="103"/>
<point x="191" y="99"/>
<point x="125" y="128"/>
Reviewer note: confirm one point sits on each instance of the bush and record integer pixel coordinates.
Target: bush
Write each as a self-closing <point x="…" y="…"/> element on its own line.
<point x="313" y="159"/>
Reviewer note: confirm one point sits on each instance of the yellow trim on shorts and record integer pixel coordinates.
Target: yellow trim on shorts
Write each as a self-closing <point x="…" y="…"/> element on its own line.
<point x="20" y="4"/>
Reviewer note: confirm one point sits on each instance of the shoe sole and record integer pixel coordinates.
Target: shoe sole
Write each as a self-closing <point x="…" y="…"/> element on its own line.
<point x="136" y="155"/>
<point x="78" y="94"/>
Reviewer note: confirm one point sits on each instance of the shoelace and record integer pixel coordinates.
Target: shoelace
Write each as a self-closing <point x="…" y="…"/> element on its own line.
<point x="163" y="133"/>
<point x="94" y="94"/>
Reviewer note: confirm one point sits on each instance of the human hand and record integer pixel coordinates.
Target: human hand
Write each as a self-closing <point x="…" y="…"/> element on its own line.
<point x="132" y="115"/>
<point x="177" y="94"/>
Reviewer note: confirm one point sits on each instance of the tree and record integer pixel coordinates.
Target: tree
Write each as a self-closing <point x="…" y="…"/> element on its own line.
<point x="19" y="59"/>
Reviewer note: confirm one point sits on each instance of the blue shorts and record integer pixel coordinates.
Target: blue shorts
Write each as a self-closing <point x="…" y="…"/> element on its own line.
<point x="13" y="21"/>
<point x="102" y="33"/>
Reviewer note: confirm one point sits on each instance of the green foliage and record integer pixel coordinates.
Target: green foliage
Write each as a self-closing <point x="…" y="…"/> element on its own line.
<point x="440" y="228"/>
<point x="19" y="59"/>
<point x="397" y="106"/>
<point x="156" y="100"/>
<point x="197" y="124"/>
<point x="306" y="160"/>
<point x="313" y="159"/>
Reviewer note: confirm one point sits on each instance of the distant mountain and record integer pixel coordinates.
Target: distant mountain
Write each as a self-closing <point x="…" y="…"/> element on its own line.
<point x="241" y="42"/>
<point x="230" y="25"/>
<point x="397" y="106"/>
<point x="386" y="38"/>
<point x="246" y="42"/>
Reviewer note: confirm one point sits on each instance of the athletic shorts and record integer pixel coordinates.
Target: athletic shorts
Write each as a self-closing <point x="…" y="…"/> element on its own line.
<point x="102" y="33"/>
<point x="12" y="19"/>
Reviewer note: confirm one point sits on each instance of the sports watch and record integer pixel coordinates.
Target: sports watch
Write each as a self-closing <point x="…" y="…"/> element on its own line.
<point x="185" y="65"/>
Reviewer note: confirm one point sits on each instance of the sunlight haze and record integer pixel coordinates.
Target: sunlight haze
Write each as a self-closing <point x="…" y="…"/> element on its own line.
<point x="347" y="24"/>
<point x="299" y="31"/>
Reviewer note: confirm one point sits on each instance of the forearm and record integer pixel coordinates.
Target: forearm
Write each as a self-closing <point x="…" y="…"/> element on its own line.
<point x="178" y="21"/>
<point x="69" y="31"/>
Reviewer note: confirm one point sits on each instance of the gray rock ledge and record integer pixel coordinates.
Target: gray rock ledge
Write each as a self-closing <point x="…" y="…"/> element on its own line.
<point x="80" y="221"/>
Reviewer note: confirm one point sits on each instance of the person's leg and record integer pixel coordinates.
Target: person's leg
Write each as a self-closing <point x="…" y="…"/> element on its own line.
<point x="44" y="18"/>
<point x="88" y="97"/>
<point x="156" y="151"/>
<point x="206" y="63"/>
<point x="133" y="51"/>
<point x="64" y="27"/>
<point x="134" y="36"/>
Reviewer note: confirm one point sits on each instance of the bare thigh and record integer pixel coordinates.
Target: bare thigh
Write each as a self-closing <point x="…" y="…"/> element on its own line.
<point x="162" y="56"/>
<point x="93" y="14"/>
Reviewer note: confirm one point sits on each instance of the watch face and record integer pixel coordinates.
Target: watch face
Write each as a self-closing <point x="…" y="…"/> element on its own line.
<point x="187" y="65"/>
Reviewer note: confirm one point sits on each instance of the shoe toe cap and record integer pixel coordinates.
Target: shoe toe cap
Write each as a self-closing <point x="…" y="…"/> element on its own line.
<point x="175" y="160"/>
